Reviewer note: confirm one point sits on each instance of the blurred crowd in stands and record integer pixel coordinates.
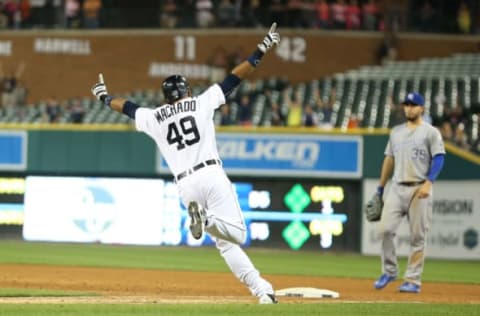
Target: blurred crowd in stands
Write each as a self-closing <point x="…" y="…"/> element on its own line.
<point x="13" y="91"/>
<point x="290" y="109"/>
<point x="284" y="105"/>
<point x="452" y="123"/>
<point x="437" y="16"/>
<point x="317" y="111"/>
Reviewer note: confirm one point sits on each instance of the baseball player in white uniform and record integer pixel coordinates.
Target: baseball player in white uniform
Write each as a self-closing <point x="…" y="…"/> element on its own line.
<point x="415" y="155"/>
<point x="184" y="131"/>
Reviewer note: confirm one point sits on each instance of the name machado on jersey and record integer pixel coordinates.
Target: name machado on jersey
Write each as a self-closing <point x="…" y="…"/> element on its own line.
<point x="168" y="110"/>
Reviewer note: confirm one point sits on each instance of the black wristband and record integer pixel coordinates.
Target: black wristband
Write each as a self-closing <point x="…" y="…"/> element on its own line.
<point x="255" y="57"/>
<point x="106" y="99"/>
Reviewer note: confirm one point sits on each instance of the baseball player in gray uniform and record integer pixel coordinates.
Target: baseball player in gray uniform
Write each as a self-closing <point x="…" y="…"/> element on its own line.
<point x="184" y="131"/>
<point x="415" y="154"/>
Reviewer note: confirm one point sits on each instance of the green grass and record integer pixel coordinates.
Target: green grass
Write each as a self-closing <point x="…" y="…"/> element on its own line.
<point x="207" y="259"/>
<point x="17" y="292"/>
<point x="240" y="309"/>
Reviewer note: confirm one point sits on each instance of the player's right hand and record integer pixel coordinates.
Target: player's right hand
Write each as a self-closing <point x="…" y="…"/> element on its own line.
<point x="99" y="90"/>
<point x="424" y="191"/>
<point x="272" y="38"/>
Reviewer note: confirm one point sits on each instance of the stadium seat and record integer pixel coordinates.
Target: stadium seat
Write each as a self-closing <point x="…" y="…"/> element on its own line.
<point x="258" y="109"/>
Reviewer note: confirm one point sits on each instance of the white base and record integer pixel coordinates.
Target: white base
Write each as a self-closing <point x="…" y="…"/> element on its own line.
<point x="307" y="292"/>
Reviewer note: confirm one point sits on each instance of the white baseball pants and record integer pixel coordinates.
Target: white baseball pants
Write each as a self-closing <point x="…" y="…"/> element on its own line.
<point x="211" y="188"/>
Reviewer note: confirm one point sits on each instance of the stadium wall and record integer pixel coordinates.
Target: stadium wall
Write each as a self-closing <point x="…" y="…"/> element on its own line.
<point x="272" y="169"/>
<point x="81" y="151"/>
<point x="64" y="64"/>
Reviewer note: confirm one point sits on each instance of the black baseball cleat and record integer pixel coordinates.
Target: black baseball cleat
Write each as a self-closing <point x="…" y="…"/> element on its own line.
<point x="268" y="299"/>
<point x="197" y="219"/>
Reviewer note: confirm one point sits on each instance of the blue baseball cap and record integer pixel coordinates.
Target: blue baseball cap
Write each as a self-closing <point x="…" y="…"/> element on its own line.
<point x="414" y="98"/>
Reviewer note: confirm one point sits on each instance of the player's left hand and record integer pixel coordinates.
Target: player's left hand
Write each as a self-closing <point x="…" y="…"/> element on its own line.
<point x="99" y="90"/>
<point x="374" y="207"/>
<point x="272" y="38"/>
<point x="424" y="191"/>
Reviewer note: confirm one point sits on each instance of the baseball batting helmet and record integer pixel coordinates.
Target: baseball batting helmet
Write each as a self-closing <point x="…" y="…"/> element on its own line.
<point x="175" y="87"/>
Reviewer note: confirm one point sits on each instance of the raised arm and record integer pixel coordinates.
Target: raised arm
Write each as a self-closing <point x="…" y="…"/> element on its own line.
<point x="238" y="73"/>
<point x="245" y="68"/>
<point x="99" y="90"/>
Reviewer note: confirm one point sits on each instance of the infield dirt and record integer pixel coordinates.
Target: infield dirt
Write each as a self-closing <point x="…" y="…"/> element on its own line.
<point x="115" y="285"/>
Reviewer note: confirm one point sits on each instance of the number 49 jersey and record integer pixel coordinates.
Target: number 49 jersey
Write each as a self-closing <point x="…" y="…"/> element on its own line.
<point x="184" y="131"/>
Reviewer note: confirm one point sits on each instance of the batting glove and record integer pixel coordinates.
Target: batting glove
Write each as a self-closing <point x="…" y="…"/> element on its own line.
<point x="272" y="38"/>
<point x="99" y="90"/>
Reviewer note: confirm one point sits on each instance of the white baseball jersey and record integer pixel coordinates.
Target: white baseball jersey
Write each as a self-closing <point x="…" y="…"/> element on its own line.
<point x="184" y="131"/>
<point x="185" y="134"/>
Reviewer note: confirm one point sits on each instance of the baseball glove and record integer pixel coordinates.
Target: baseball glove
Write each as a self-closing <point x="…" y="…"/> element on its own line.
<point x="373" y="208"/>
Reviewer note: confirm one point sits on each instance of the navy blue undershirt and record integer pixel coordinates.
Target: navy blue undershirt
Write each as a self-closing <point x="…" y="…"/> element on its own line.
<point x="229" y="84"/>
<point x="129" y="108"/>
